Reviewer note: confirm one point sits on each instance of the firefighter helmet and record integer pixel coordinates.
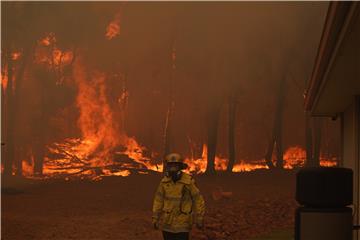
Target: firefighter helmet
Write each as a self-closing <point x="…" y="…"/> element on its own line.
<point x="175" y="158"/>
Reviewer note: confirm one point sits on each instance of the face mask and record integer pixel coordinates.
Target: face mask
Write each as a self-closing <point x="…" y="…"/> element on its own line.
<point x="175" y="176"/>
<point x="174" y="172"/>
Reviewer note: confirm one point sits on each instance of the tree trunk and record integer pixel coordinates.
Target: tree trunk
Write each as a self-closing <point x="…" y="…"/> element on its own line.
<point x="19" y="78"/>
<point x="313" y="141"/>
<point x="277" y="131"/>
<point x="39" y="153"/>
<point x="170" y="111"/>
<point x="279" y="124"/>
<point x="317" y="141"/>
<point x="213" y="122"/>
<point x="167" y="129"/>
<point x="269" y="153"/>
<point x="9" y="112"/>
<point x="309" y="143"/>
<point x="19" y="156"/>
<point x="232" y="116"/>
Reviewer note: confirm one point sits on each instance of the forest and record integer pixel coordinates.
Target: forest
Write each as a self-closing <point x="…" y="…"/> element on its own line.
<point x="94" y="95"/>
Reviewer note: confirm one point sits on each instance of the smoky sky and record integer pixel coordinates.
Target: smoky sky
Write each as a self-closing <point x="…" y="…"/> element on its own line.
<point x="220" y="48"/>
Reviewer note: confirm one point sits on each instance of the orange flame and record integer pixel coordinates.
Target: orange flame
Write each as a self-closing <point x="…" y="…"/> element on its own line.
<point x="103" y="148"/>
<point x="48" y="39"/>
<point x="28" y="168"/>
<point x="294" y="157"/>
<point x="50" y="55"/>
<point x="4" y="78"/>
<point x="328" y="163"/>
<point x="15" y="56"/>
<point x="101" y="137"/>
<point x="113" y="29"/>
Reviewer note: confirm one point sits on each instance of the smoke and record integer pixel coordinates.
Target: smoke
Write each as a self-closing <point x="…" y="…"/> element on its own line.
<point x="220" y="48"/>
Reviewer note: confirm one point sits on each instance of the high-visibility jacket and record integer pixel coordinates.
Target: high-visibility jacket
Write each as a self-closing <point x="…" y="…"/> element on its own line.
<point x="177" y="205"/>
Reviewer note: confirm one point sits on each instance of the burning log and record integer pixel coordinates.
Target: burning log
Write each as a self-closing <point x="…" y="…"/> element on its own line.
<point x="94" y="172"/>
<point x="73" y="157"/>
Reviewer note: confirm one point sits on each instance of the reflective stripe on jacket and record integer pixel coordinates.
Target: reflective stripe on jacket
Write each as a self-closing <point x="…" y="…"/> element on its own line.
<point x="177" y="204"/>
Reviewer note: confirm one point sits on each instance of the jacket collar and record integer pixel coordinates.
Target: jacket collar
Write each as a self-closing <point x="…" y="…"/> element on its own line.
<point x="185" y="179"/>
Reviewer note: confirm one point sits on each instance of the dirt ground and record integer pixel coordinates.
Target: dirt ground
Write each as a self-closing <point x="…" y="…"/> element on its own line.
<point x="120" y="207"/>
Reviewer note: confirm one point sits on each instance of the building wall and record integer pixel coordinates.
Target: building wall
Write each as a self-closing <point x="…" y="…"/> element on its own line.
<point x="350" y="157"/>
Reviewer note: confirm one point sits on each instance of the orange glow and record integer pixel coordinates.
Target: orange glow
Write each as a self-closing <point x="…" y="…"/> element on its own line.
<point x="49" y="39"/>
<point x="4" y="78"/>
<point x="103" y="148"/>
<point x="15" y="56"/>
<point x="122" y="173"/>
<point x="294" y="157"/>
<point x="199" y="165"/>
<point x="328" y="163"/>
<point x="101" y="140"/>
<point x="248" y="167"/>
<point x="28" y="168"/>
<point x="60" y="57"/>
<point x="50" y="55"/>
<point x="113" y="29"/>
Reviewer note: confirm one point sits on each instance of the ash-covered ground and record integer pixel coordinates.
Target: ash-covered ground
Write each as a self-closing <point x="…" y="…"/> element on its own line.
<point x="239" y="206"/>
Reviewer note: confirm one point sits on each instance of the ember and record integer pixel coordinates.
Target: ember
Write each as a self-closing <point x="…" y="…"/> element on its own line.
<point x="113" y="29"/>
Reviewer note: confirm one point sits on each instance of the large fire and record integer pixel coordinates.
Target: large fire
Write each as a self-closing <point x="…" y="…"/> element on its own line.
<point x="103" y="147"/>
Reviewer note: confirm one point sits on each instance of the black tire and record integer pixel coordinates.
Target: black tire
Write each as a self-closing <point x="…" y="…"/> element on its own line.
<point x="324" y="187"/>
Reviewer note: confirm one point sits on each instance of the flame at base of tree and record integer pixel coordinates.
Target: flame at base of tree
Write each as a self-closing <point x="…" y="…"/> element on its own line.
<point x="63" y="161"/>
<point x="102" y="147"/>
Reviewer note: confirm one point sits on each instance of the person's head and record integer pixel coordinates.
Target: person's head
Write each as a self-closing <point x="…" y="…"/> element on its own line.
<point x="174" y="165"/>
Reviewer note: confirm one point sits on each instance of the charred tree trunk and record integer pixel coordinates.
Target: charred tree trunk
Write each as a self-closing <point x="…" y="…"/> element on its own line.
<point x="9" y="112"/>
<point x="315" y="131"/>
<point x="212" y="131"/>
<point x="170" y="111"/>
<point x="167" y="130"/>
<point x="309" y="143"/>
<point x="313" y="141"/>
<point x="276" y="139"/>
<point x="19" y="156"/>
<point x="3" y="119"/>
<point x="279" y="125"/>
<point x="19" y="78"/>
<point x="317" y="141"/>
<point x="39" y="152"/>
<point x="232" y="116"/>
<point x="269" y="153"/>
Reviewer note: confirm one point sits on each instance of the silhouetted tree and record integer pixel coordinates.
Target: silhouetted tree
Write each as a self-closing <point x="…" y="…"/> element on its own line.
<point x="276" y="139"/>
<point x="313" y="138"/>
<point x="232" y="126"/>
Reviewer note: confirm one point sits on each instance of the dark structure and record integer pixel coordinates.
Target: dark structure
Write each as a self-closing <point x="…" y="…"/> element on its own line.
<point x="334" y="87"/>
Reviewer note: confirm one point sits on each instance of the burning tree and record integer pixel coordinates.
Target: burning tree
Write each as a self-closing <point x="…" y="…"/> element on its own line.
<point x="79" y="80"/>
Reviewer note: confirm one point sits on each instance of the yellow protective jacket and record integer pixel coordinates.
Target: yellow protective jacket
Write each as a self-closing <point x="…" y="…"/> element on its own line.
<point x="177" y="205"/>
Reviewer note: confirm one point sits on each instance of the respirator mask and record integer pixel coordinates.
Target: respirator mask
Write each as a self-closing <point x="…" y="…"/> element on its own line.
<point x="173" y="170"/>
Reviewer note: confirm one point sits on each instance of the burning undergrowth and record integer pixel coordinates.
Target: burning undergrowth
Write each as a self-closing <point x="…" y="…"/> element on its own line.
<point x="102" y="147"/>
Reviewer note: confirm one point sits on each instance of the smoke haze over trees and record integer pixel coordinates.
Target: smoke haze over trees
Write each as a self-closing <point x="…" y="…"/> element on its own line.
<point x="199" y="55"/>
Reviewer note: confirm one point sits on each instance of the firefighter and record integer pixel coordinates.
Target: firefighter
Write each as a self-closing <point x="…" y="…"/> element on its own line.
<point x="177" y="203"/>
